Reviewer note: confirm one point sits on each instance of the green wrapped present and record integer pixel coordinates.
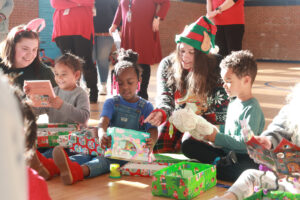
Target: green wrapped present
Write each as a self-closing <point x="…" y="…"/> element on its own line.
<point x="273" y="195"/>
<point x="184" y="180"/>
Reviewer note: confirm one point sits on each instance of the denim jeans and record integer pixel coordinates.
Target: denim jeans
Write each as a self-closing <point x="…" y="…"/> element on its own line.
<point x="101" y="51"/>
<point x="47" y="152"/>
<point x="97" y="165"/>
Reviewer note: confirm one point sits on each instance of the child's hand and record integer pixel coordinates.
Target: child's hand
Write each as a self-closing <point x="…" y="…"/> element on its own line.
<point x="26" y="88"/>
<point x="56" y="102"/>
<point x="264" y="140"/>
<point x="105" y="141"/>
<point x="154" y="118"/>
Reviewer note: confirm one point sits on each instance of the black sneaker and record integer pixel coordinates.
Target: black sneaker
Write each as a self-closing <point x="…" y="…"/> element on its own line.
<point x="229" y="159"/>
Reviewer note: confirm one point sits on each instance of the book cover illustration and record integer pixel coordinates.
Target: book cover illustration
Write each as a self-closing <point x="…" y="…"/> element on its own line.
<point x="40" y="92"/>
<point x="284" y="159"/>
<point x="128" y="144"/>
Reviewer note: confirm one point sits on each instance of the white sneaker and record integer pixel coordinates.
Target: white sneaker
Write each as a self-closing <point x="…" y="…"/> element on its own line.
<point x="103" y="89"/>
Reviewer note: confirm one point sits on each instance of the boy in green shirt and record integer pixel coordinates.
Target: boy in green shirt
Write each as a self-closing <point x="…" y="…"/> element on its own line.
<point x="238" y="71"/>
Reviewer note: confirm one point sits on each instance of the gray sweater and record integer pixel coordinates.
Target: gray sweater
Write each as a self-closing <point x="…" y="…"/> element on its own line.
<point x="75" y="109"/>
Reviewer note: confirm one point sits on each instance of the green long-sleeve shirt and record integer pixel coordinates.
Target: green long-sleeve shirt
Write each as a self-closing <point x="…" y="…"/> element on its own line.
<point x="230" y="137"/>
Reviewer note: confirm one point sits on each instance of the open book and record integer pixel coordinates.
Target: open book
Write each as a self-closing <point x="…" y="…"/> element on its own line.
<point x="40" y="92"/>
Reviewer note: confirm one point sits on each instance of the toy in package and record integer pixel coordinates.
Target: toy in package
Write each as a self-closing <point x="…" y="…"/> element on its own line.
<point x="128" y="144"/>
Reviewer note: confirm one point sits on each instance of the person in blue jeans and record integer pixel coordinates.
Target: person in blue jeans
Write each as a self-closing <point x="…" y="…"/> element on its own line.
<point x="126" y="110"/>
<point x="103" y="18"/>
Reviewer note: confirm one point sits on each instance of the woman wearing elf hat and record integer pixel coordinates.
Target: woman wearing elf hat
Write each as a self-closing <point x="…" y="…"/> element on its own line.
<point x="190" y="78"/>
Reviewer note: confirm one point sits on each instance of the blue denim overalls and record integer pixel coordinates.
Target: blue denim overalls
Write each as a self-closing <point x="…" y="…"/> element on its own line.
<point x="127" y="117"/>
<point x="123" y="117"/>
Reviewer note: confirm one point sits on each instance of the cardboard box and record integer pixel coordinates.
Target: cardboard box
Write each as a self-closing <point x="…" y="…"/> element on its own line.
<point x="85" y="142"/>
<point x="146" y="169"/>
<point x="127" y="144"/>
<point x="278" y="195"/>
<point x="50" y="135"/>
<point x="184" y="180"/>
<point x="142" y="169"/>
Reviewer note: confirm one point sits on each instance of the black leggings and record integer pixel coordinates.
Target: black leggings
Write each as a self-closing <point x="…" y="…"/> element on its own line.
<point x="229" y="38"/>
<point x="205" y="153"/>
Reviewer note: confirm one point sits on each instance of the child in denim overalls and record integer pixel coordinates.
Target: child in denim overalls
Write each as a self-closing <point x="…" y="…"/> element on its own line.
<point x="126" y="110"/>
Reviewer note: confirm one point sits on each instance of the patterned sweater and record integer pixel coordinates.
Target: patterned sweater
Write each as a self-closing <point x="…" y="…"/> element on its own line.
<point x="213" y="109"/>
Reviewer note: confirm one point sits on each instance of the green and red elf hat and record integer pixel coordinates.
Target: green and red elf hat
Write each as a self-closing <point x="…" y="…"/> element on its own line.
<point x="193" y="34"/>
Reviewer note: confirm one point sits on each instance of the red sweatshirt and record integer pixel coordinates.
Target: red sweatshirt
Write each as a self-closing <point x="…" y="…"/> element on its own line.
<point x="73" y="17"/>
<point x="233" y="15"/>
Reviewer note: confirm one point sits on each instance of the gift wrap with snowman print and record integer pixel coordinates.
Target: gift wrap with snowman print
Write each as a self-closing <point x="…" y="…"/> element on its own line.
<point x="184" y="180"/>
<point x="127" y="144"/>
<point x="54" y="134"/>
<point x="270" y="195"/>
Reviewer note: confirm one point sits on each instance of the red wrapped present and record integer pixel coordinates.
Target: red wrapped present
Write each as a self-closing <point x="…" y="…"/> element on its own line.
<point x="85" y="142"/>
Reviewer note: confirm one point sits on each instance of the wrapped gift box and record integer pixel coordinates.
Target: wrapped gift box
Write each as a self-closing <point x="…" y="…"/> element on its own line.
<point x="127" y="144"/>
<point x="146" y="169"/>
<point x="272" y="195"/>
<point x="50" y="135"/>
<point x="183" y="180"/>
<point x="85" y="142"/>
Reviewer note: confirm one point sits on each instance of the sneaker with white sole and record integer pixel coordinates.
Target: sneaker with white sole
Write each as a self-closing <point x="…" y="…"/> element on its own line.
<point x="103" y="89"/>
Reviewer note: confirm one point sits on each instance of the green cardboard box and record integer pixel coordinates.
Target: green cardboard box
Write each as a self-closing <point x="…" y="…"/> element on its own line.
<point x="184" y="180"/>
<point x="274" y="195"/>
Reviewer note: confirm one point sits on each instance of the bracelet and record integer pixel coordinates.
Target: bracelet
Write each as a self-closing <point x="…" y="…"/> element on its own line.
<point x="164" y="118"/>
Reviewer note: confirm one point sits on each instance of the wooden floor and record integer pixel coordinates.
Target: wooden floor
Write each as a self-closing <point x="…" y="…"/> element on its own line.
<point x="273" y="82"/>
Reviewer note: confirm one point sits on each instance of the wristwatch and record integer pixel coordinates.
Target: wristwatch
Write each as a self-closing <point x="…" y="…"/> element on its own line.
<point x="219" y="9"/>
<point x="156" y="17"/>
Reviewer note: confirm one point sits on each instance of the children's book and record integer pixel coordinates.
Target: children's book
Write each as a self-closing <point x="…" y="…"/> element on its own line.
<point x="127" y="144"/>
<point x="284" y="159"/>
<point x="40" y="92"/>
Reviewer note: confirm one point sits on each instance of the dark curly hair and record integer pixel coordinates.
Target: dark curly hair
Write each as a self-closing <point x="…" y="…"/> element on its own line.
<point x="242" y="64"/>
<point x="126" y="59"/>
<point x="75" y="63"/>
